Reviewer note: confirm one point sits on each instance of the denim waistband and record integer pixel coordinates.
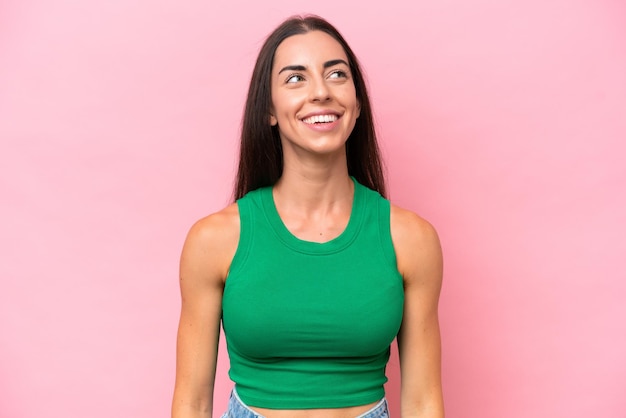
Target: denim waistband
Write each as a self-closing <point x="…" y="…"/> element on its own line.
<point x="238" y="409"/>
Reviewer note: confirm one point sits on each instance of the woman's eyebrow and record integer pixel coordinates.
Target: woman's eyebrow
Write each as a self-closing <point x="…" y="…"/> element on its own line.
<point x="293" y="68"/>
<point x="332" y="63"/>
<point x="327" y="64"/>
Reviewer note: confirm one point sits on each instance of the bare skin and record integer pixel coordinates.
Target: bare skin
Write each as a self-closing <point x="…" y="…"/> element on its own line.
<point x="314" y="201"/>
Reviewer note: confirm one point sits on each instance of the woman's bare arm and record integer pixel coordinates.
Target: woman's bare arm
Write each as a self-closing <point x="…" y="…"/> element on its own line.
<point x="419" y="261"/>
<point x="205" y="260"/>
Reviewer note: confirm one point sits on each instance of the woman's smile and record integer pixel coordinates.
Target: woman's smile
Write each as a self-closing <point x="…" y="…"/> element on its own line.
<point x="322" y="122"/>
<point x="325" y="118"/>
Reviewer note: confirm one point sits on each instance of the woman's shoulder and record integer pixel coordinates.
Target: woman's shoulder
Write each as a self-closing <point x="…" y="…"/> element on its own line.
<point x="407" y="223"/>
<point x="415" y="240"/>
<point x="213" y="239"/>
<point x="219" y="224"/>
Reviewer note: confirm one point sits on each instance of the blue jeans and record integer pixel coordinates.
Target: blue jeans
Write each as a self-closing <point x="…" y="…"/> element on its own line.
<point x="237" y="409"/>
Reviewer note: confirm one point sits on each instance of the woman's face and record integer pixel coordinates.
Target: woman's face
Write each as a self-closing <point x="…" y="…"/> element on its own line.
<point x="314" y="99"/>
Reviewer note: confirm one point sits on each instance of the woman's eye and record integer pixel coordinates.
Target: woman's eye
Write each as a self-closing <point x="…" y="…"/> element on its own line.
<point x="294" y="78"/>
<point x="338" y="74"/>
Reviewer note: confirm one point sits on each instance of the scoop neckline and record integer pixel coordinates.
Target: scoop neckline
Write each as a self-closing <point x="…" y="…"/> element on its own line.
<point x="311" y="247"/>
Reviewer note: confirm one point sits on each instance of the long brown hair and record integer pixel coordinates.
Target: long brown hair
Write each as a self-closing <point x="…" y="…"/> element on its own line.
<point x="261" y="154"/>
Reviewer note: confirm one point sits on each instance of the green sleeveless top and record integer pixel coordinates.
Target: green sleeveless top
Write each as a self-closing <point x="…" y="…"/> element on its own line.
<point x="309" y="325"/>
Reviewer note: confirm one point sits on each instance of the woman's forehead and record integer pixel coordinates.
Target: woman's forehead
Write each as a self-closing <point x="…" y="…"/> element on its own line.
<point x="308" y="49"/>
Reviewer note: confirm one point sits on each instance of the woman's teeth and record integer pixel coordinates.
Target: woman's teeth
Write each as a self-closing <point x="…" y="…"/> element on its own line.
<point x="320" y="119"/>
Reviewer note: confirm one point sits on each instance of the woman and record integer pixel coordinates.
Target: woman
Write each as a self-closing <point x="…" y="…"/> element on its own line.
<point x="312" y="271"/>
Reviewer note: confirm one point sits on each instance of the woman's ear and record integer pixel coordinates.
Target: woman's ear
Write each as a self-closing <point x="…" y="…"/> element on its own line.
<point x="273" y="120"/>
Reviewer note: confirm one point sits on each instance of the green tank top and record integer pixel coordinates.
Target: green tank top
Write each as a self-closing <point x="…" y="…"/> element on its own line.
<point x="309" y="325"/>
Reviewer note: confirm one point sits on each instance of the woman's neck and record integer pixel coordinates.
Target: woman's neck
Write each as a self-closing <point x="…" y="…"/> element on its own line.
<point x="313" y="190"/>
<point x="314" y="208"/>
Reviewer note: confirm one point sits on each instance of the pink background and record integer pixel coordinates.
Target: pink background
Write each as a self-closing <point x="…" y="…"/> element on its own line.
<point x="502" y="122"/>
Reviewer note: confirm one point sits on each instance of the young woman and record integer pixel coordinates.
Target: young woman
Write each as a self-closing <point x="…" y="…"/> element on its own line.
<point x="312" y="271"/>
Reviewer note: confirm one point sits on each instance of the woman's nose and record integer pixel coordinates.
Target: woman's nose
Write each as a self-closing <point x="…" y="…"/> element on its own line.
<point x="319" y="91"/>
